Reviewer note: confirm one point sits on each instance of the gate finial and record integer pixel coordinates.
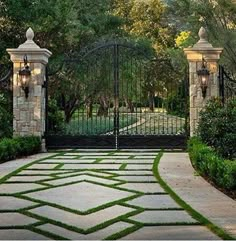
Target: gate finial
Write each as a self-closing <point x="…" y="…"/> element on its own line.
<point x="30" y="34"/>
<point x="203" y="41"/>
<point x="203" y="34"/>
<point x="29" y="43"/>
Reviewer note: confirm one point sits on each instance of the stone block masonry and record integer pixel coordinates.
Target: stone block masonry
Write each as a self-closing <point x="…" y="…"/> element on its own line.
<point x="29" y="113"/>
<point x="202" y="49"/>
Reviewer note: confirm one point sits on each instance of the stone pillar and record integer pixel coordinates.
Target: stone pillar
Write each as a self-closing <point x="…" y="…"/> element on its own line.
<point x="29" y="113"/>
<point x="202" y="49"/>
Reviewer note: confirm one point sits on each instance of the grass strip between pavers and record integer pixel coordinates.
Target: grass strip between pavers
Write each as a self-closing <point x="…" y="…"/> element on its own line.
<point x="5" y="178"/>
<point x="123" y="166"/>
<point x="200" y="218"/>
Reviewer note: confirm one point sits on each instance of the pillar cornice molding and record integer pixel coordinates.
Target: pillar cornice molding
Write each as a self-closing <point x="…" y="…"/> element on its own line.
<point x="33" y="55"/>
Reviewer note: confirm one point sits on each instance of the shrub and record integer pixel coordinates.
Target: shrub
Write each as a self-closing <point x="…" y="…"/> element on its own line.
<point x="217" y="127"/>
<point x="55" y="117"/>
<point x="177" y="103"/>
<point x="19" y="146"/>
<point x="221" y="171"/>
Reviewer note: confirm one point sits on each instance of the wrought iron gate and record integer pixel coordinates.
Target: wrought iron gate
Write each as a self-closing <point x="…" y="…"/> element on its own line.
<point x="115" y="96"/>
<point x="227" y="84"/>
<point x="6" y="100"/>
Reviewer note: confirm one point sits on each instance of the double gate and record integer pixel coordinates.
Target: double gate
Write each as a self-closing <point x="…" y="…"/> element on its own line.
<point x="116" y="96"/>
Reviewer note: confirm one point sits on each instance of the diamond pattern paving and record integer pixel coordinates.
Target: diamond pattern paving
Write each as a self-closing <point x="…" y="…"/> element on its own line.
<point x="80" y="196"/>
<point x="93" y="195"/>
<point x="82" y="221"/>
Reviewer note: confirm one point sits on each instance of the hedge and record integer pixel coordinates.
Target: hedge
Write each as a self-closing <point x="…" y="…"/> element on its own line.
<point x="217" y="127"/>
<point x="11" y="148"/>
<point x="221" y="171"/>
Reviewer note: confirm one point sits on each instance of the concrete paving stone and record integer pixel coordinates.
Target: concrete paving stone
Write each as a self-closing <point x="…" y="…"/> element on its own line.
<point x="89" y="154"/>
<point x="11" y="188"/>
<point x="128" y="161"/>
<point x="92" y="166"/>
<point x="145" y="157"/>
<point x="104" y="157"/>
<point x="167" y="216"/>
<point x="130" y="172"/>
<point x="154" y="201"/>
<point x="93" y="150"/>
<point x="138" y="167"/>
<point x="42" y="166"/>
<point x="15" y="219"/>
<point x="40" y="172"/>
<point x="20" y="234"/>
<point x="64" y="157"/>
<point x="112" y="229"/>
<point x="13" y="203"/>
<point x="140" y="150"/>
<point x="82" y="221"/>
<point x="28" y="178"/>
<point x="137" y="178"/>
<point x="135" y="153"/>
<point x="144" y="187"/>
<point x="101" y="174"/>
<point x="82" y="178"/>
<point x="64" y="161"/>
<point x="98" y="235"/>
<point x="172" y="233"/>
<point x="76" y="196"/>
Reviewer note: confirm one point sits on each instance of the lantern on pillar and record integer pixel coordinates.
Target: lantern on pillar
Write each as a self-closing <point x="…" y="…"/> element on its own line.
<point x="204" y="77"/>
<point x="25" y="77"/>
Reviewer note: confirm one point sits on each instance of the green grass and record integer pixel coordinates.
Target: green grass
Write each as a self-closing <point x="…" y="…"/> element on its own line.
<point x="96" y="125"/>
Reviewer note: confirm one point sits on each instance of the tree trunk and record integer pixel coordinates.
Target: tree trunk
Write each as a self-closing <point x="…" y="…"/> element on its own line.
<point x="129" y="105"/>
<point x="69" y="109"/>
<point x="89" y="108"/>
<point x="151" y="102"/>
<point x="104" y="107"/>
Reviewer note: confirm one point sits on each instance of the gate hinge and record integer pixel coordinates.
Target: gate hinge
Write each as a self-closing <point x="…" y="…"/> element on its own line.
<point x="44" y="85"/>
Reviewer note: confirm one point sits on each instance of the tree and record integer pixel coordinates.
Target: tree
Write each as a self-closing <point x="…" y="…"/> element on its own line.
<point x="217" y="16"/>
<point x="146" y="19"/>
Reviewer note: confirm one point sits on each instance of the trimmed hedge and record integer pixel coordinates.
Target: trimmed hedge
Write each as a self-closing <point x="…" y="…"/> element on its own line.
<point x="221" y="171"/>
<point x="217" y="127"/>
<point x="11" y="148"/>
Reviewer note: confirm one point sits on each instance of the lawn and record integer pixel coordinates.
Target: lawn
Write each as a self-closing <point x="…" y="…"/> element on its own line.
<point x="96" y="125"/>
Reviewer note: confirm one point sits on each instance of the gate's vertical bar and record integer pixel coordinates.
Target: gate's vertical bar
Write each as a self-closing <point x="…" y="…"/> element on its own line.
<point x="46" y="104"/>
<point x="187" y="104"/>
<point x="221" y="83"/>
<point x="116" y="91"/>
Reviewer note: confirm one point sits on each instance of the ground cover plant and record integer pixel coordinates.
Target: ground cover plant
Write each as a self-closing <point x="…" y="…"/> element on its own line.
<point x="11" y="148"/>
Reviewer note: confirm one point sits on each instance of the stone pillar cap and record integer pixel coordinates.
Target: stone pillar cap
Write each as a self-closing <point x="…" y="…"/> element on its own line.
<point x="29" y="43"/>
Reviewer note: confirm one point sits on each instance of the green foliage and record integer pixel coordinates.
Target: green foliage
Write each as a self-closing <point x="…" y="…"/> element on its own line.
<point x="18" y="146"/>
<point x="217" y="16"/>
<point x="177" y="103"/>
<point x="221" y="171"/>
<point x="146" y="19"/>
<point x="217" y="127"/>
<point x="55" y="116"/>
<point x="5" y="117"/>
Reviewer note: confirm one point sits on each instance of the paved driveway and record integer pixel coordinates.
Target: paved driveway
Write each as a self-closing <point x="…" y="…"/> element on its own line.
<point x="93" y="195"/>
